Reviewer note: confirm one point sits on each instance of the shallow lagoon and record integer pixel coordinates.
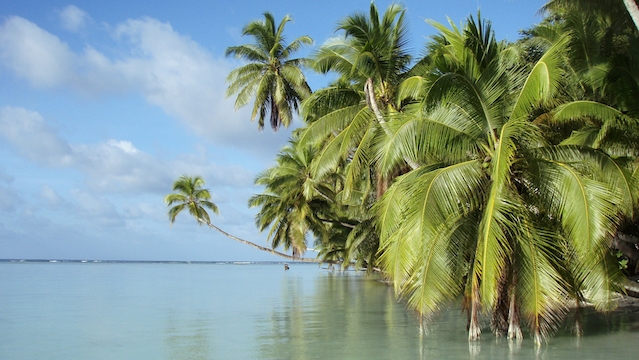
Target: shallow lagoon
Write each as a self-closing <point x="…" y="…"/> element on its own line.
<point x="249" y="311"/>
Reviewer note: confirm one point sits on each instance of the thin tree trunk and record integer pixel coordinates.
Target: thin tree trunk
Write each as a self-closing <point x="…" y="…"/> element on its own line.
<point x="372" y="104"/>
<point x="499" y="322"/>
<point x="537" y="338"/>
<point x="381" y="186"/>
<point x="633" y="10"/>
<point x="246" y="242"/>
<point x="514" y="328"/>
<point x="632" y="287"/>
<point x="578" y="318"/>
<point x="474" y="329"/>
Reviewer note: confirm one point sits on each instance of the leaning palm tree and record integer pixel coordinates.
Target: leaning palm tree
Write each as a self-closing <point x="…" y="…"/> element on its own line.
<point x="499" y="217"/>
<point x="296" y="206"/>
<point x="189" y="195"/>
<point x="275" y="81"/>
<point x="600" y="108"/>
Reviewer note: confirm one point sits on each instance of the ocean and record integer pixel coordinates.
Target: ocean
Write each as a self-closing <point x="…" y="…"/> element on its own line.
<point x="114" y="310"/>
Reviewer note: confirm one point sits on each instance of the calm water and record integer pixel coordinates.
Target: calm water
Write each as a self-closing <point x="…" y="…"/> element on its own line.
<point x="257" y="311"/>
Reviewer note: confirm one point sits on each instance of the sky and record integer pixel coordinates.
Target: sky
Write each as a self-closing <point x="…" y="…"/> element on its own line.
<point x="103" y="105"/>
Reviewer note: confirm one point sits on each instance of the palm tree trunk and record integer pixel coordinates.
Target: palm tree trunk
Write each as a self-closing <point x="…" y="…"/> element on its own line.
<point x="633" y="10"/>
<point x="578" y="318"/>
<point x="514" y="328"/>
<point x="372" y="104"/>
<point x="632" y="287"/>
<point x="474" y="329"/>
<point x="499" y="323"/>
<point x="381" y="186"/>
<point x="246" y="242"/>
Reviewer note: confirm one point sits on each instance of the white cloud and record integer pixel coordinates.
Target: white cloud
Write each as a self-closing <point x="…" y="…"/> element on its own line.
<point x="74" y="18"/>
<point x="117" y="166"/>
<point x="144" y="210"/>
<point x="112" y="166"/>
<point x="32" y="138"/>
<point x="96" y="206"/>
<point x="168" y="69"/>
<point x="36" y="55"/>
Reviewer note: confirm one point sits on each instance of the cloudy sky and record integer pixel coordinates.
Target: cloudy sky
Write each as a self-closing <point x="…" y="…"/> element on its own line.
<point x="104" y="104"/>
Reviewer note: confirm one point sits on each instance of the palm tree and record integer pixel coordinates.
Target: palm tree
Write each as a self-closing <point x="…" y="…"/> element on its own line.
<point x="618" y="9"/>
<point x="295" y="205"/>
<point x="350" y="117"/>
<point x="600" y="109"/>
<point x="499" y="216"/>
<point x="275" y="81"/>
<point x="190" y="195"/>
<point x="603" y="67"/>
<point x="372" y="54"/>
<point x="293" y="201"/>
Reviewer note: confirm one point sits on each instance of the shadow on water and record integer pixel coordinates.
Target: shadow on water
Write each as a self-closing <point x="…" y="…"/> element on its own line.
<point x="348" y="316"/>
<point x="623" y="319"/>
<point x="354" y="316"/>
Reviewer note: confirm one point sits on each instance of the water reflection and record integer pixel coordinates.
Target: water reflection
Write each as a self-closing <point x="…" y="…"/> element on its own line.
<point x="189" y="337"/>
<point x="160" y="311"/>
<point x="351" y="316"/>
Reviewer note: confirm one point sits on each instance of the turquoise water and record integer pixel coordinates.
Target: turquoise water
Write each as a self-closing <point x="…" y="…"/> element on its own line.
<point x="256" y="311"/>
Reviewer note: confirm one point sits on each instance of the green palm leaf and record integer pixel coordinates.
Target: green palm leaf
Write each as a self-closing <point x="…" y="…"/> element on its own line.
<point x="275" y="82"/>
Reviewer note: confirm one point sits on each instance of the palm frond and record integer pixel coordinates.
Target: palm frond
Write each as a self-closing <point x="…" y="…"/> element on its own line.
<point x="542" y="81"/>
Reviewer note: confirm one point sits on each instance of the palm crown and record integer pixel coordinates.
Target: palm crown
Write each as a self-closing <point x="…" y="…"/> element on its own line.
<point x="275" y="81"/>
<point x="498" y="216"/>
<point x="190" y="196"/>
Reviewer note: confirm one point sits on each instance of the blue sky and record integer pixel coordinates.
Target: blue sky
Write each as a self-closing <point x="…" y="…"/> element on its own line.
<point x="104" y="104"/>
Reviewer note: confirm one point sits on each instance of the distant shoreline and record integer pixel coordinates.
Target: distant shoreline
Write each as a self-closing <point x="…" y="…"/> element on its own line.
<point x="238" y="262"/>
<point x="627" y="303"/>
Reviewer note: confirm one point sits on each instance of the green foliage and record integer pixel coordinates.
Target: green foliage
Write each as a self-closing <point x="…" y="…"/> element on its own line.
<point x="190" y="196"/>
<point x="489" y="171"/>
<point x="271" y="78"/>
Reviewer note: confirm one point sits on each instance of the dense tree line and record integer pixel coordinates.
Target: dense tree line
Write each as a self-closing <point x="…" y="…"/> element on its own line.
<point x="502" y="174"/>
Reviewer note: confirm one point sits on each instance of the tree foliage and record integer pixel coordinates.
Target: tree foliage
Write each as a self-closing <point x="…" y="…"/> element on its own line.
<point x="271" y="78"/>
<point x="493" y="173"/>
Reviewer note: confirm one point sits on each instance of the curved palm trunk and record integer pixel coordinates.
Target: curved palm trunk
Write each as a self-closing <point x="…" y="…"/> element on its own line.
<point x="633" y="10"/>
<point x="246" y="242"/>
<point x="381" y="186"/>
<point x="372" y="104"/>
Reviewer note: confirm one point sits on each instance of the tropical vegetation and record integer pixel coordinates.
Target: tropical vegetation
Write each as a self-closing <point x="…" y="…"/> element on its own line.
<point x="501" y="175"/>
<point x="189" y="195"/>
<point x="270" y="77"/>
